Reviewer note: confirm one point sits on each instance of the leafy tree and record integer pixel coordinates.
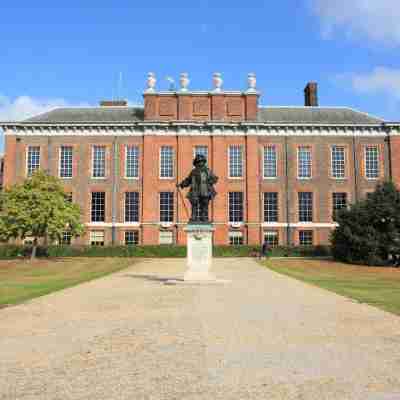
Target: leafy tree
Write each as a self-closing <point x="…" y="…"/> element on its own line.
<point x="369" y="231"/>
<point x="39" y="208"/>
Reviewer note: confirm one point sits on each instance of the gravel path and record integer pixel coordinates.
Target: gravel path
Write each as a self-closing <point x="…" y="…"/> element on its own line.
<point x="263" y="336"/>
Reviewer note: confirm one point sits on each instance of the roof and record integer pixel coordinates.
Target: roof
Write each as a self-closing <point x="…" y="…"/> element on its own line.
<point x="275" y="115"/>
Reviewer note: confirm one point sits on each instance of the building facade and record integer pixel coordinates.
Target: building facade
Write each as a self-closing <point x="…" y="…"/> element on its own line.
<point x="283" y="171"/>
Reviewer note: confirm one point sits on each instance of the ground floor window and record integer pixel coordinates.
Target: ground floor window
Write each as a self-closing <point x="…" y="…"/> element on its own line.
<point x="235" y="238"/>
<point x="166" y="237"/>
<point x="97" y="238"/>
<point x="272" y="238"/>
<point x="131" y="238"/>
<point x="66" y="238"/>
<point x="306" y="238"/>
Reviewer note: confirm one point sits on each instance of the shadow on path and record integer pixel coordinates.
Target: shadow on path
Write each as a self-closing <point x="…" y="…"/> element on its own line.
<point x="153" y="278"/>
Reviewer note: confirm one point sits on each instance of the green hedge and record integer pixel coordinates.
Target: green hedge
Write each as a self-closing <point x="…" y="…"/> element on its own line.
<point x="13" y="251"/>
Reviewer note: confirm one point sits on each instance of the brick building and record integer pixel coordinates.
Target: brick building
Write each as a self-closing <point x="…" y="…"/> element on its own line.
<point x="283" y="171"/>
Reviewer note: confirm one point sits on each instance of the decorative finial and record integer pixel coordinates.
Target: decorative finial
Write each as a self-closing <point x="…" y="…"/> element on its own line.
<point x="217" y="81"/>
<point x="184" y="81"/>
<point x="251" y="82"/>
<point x="151" y="82"/>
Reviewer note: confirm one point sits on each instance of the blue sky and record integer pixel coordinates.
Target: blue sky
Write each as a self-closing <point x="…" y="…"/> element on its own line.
<point x="71" y="53"/>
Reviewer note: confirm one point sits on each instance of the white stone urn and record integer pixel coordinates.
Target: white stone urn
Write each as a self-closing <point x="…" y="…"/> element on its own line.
<point x="251" y="82"/>
<point x="184" y="81"/>
<point x="217" y="81"/>
<point x="151" y="82"/>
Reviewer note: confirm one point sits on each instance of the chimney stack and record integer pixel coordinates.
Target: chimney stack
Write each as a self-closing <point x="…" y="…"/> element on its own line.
<point x="311" y="94"/>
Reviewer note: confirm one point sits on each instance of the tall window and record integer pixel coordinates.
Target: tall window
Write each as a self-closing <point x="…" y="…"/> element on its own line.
<point x="66" y="162"/>
<point x="270" y="207"/>
<point x="235" y="161"/>
<point x="270" y="169"/>
<point x="166" y="162"/>
<point x="131" y="238"/>
<point x="33" y="159"/>
<point x="339" y="201"/>
<point x="166" y="207"/>
<point x="131" y="161"/>
<point x="98" y="206"/>
<point x="304" y="162"/>
<point x="203" y="150"/>
<point x="235" y="206"/>
<point x="372" y="162"/>
<point x="272" y="238"/>
<point x="131" y="207"/>
<point x="306" y="238"/>
<point x="305" y="206"/>
<point x="99" y="162"/>
<point x="338" y="162"/>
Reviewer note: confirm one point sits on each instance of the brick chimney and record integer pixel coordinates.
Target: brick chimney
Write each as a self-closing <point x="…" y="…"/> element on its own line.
<point x="311" y="94"/>
<point x="113" y="103"/>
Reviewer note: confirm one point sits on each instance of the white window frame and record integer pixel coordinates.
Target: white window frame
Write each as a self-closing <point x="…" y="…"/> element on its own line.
<point x="105" y="162"/>
<point x="72" y="162"/>
<point x="312" y="207"/>
<point x="312" y="237"/>
<point x="276" y="161"/>
<point x="231" y="146"/>
<point x="229" y="208"/>
<point x="138" y="206"/>
<point x="171" y="236"/>
<point x="127" y="146"/>
<point x="344" y="162"/>
<point x="95" y="235"/>
<point x="277" y="206"/>
<point x="135" y="233"/>
<point x="271" y="233"/>
<point x="378" y="162"/>
<point x="27" y="160"/>
<point x="298" y="162"/>
<point x="236" y="235"/>
<point x="173" y="207"/>
<point x="173" y="162"/>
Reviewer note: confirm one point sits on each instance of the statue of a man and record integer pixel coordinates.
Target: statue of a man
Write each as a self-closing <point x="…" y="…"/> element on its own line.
<point x="201" y="180"/>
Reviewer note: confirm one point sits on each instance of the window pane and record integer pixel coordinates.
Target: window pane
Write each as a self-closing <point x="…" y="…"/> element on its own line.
<point x="98" y="206"/>
<point x="235" y="238"/>
<point x="305" y="207"/>
<point x="270" y="207"/>
<point x="97" y="238"/>
<point x="33" y="159"/>
<point x="235" y="161"/>
<point x="372" y="162"/>
<point x="131" y="207"/>
<point x="270" y="162"/>
<point x="304" y="162"/>
<point x="339" y="201"/>
<point x="99" y="161"/>
<point x="66" y="162"/>
<point x="166" y="162"/>
<point x="132" y="161"/>
<point x="272" y="238"/>
<point x="338" y="162"/>
<point x="131" y="238"/>
<point x="166" y="207"/>
<point x="306" y="238"/>
<point x="235" y="206"/>
<point x="66" y="238"/>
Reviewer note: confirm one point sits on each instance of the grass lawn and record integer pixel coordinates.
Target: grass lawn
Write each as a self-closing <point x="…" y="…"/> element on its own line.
<point x="21" y="280"/>
<point x="377" y="286"/>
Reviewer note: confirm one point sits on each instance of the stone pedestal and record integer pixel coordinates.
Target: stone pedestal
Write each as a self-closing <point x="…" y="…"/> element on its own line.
<point x="199" y="252"/>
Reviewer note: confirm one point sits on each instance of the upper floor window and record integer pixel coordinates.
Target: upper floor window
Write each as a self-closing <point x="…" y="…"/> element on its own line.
<point x="339" y="201"/>
<point x="166" y="162"/>
<point x="305" y="206"/>
<point x="270" y="207"/>
<point x="338" y="161"/>
<point x="235" y="161"/>
<point x="304" y="162"/>
<point x="270" y="170"/>
<point x="98" y="206"/>
<point x="131" y="207"/>
<point x="132" y="162"/>
<point x="203" y="150"/>
<point x="33" y="159"/>
<point x="166" y="207"/>
<point x="66" y="162"/>
<point x="235" y="206"/>
<point x="372" y="162"/>
<point x="99" y="162"/>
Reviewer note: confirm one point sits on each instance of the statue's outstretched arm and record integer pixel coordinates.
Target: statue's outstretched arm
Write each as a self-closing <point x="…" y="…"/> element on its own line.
<point x="186" y="182"/>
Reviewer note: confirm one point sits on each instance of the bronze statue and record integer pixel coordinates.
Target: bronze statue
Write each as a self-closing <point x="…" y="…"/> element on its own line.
<point x="201" y="180"/>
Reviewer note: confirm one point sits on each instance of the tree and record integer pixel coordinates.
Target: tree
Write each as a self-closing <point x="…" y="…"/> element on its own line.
<point x="40" y="208"/>
<point x="369" y="231"/>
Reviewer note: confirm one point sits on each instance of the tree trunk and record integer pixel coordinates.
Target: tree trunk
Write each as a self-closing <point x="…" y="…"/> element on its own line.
<point x="34" y="248"/>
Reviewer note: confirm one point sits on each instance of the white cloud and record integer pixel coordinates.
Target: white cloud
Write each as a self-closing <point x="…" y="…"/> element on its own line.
<point x="381" y="80"/>
<point x="377" y="20"/>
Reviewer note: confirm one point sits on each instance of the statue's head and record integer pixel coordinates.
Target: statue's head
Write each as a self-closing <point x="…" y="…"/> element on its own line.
<point x="200" y="160"/>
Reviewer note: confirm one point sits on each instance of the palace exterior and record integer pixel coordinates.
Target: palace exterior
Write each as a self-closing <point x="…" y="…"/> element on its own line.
<point x="283" y="171"/>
